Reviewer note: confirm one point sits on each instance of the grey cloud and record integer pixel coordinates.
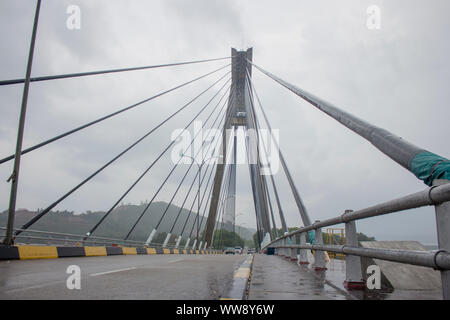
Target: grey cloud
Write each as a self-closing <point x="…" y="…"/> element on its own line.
<point x="396" y="78"/>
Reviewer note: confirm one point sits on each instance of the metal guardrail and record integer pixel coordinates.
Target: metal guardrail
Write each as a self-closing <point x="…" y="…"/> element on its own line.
<point x="68" y="238"/>
<point x="437" y="196"/>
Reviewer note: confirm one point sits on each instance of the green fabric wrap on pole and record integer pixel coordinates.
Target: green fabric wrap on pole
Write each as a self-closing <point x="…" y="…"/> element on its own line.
<point x="428" y="166"/>
<point x="312" y="236"/>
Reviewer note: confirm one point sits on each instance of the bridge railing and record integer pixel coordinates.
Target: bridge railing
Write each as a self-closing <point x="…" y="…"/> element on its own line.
<point x="437" y="195"/>
<point x="39" y="237"/>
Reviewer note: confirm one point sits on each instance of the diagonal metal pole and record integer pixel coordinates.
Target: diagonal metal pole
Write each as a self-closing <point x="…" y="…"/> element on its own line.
<point x="15" y="174"/>
<point x="423" y="164"/>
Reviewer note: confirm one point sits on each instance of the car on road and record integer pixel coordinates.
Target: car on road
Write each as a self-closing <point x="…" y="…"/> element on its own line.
<point x="229" y="251"/>
<point x="251" y="251"/>
<point x="238" y="250"/>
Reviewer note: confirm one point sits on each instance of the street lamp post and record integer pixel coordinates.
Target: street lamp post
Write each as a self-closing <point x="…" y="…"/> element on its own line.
<point x="223" y="213"/>
<point x="200" y="165"/>
<point x="234" y="228"/>
<point x="240" y="229"/>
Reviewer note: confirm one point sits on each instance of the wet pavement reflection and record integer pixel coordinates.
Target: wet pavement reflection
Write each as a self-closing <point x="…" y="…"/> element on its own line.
<point x="275" y="277"/>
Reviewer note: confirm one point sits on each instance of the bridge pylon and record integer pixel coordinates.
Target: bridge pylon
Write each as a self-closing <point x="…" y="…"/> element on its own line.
<point x="240" y="113"/>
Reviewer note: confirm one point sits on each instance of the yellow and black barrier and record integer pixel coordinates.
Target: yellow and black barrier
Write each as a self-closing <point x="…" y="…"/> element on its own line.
<point x="25" y="252"/>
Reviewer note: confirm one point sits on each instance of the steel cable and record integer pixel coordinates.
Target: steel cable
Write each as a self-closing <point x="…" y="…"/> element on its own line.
<point x="46" y="210"/>
<point x="43" y="143"/>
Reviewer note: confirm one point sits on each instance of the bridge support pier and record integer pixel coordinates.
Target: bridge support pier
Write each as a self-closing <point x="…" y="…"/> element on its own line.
<point x="303" y="256"/>
<point x="319" y="257"/>
<point x="353" y="274"/>
<point x="443" y="232"/>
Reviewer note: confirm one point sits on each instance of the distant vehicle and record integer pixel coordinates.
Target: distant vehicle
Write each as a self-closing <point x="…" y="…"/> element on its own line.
<point x="240" y="114"/>
<point x="238" y="250"/>
<point x="251" y="251"/>
<point x="229" y="251"/>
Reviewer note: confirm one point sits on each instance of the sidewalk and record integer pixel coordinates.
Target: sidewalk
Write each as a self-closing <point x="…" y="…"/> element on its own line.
<point x="276" y="278"/>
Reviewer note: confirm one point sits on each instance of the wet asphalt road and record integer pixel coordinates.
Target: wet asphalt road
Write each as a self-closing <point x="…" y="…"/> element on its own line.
<point x="122" y="277"/>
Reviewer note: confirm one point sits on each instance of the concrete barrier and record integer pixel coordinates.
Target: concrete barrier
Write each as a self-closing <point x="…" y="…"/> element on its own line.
<point x="24" y="252"/>
<point x="37" y="252"/>
<point x="94" y="251"/>
<point x="401" y="276"/>
<point x="126" y="250"/>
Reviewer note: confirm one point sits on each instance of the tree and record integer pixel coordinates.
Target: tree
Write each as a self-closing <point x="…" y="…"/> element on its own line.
<point x="255" y="240"/>
<point x="223" y="238"/>
<point x="160" y="237"/>
<point x="363" y="237"/>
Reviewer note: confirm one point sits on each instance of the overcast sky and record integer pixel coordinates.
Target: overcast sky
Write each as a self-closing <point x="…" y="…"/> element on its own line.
<point x="396" y="77"/>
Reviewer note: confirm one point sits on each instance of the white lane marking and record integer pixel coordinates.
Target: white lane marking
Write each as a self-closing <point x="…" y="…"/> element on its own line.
<point x="108" y="272"/>
<point x="171" y="261"/>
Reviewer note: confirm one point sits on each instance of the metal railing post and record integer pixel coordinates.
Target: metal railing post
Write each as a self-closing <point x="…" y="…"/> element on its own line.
<point x="353" y="273"/>
<point x="187" y="243"/>
<point x="14" y="178"/>
<point x="166" y="240"/>
<point x="443" y="232"/>
<point x="319" y="257"/>
<point x="303" y="252"/>
<point x="286" y="252"/>
<point x="177" y="244"/>
<point x="293" y="250"/>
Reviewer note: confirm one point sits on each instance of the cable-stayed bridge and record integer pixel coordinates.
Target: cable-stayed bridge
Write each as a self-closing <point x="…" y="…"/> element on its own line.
<point x="189" y="262"/>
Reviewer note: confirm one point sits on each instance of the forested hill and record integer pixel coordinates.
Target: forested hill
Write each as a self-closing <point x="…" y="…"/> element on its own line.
<point x="118" y="223"/>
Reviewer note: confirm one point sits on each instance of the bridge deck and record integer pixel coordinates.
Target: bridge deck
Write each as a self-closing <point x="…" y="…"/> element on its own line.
<point x="173" y="277"/>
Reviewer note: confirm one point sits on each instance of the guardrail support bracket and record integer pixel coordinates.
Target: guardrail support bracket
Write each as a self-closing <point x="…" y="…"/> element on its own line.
<point x="319" y="257"/>
<point x="353" y="273"/>
<point x="443" y="233"/>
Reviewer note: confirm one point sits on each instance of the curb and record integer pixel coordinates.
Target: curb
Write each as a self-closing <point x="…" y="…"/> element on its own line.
<point x="241" y="281"/>
<point x="26" y="252"/>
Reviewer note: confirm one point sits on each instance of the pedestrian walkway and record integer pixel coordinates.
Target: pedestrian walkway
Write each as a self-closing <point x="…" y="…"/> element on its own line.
<point x="276" y="278"/>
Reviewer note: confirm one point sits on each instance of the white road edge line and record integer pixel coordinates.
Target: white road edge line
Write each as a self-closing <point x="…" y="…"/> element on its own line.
<point x="38" y="286"/>
<point x="107" y="272"/>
